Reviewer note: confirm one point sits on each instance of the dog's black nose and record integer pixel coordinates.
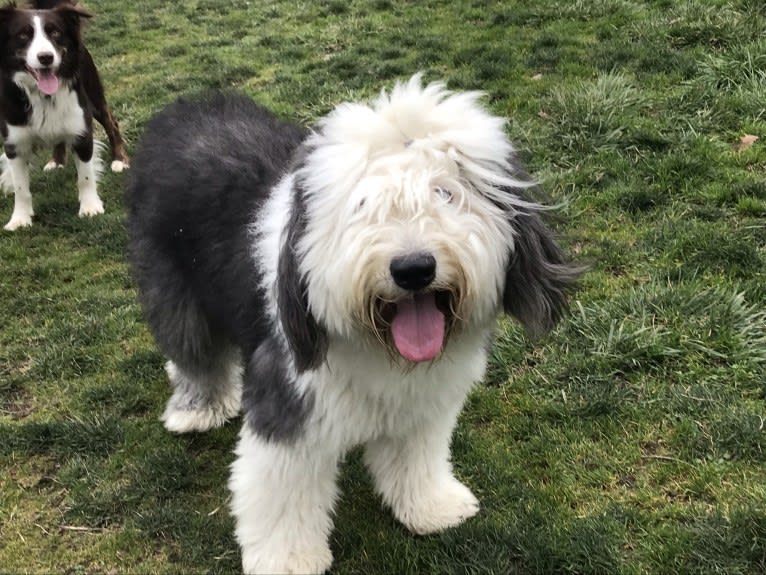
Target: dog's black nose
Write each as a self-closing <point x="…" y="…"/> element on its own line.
<point x="413" y="271"/>
<point x="45" y="58"/>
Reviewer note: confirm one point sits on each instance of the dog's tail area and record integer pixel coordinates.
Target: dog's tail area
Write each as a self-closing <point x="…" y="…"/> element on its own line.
<point x="6" y="183"/>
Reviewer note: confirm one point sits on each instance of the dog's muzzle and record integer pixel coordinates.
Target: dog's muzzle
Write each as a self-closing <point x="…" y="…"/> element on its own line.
<point x="413" y="272"/>
<point x="415" y="325"/>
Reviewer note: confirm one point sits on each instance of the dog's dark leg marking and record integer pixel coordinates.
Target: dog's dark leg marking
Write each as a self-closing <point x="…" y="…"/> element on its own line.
<point x="94" y="89"/>
<point x="272" y="406"/>
<point x="59" y="154"/>
<point x="83" y="147"/>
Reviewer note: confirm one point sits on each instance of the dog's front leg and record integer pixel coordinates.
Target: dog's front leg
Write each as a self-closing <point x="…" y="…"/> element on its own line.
<point x="18" y="168"/>
<point x="90" y="203"/>
<point x="413" y="473"/>
<point x="282" y="498"/>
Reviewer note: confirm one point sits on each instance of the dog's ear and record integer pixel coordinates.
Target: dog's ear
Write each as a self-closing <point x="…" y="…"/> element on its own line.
<point x="305" y="336"/>
<point x="49" y="4"/>
<point x="6" y="13"/>
<point x="72" y="14"/>
<point x="538" y="277"/>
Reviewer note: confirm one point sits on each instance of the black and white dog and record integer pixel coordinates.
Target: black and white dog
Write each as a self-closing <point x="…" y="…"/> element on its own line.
<point x="341" y="286"/>
<point x="50" y="92"/>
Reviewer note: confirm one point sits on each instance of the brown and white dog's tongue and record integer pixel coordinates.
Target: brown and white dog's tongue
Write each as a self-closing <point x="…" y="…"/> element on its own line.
<point x="47" y="81"/>
<point x="418" y="328"/>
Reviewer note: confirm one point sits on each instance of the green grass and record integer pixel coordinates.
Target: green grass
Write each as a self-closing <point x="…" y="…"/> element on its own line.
<point x="631" y="440"/>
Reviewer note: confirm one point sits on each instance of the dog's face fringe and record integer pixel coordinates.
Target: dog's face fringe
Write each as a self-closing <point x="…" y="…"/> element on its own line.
<point x="422" y="170"/>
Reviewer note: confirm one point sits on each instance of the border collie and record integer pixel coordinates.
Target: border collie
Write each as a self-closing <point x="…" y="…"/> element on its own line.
<point x="49" y="94"/>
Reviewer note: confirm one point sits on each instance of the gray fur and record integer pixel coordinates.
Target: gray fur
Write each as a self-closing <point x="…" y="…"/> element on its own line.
<point x="272" y="407"/>
<point x="201" y="175"/>
<point x="210" y="390"/>
<point x="306" y="338"/>
<point x="539" y="277"/>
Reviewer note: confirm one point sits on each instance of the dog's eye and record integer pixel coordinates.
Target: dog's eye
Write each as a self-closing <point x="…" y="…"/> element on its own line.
<point x="24" y="36"/>
<point x="443" y="193"/>
<point x="54" y="33"/>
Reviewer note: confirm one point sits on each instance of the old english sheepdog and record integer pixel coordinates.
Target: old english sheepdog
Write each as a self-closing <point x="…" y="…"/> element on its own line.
<point x="340" y="286"/>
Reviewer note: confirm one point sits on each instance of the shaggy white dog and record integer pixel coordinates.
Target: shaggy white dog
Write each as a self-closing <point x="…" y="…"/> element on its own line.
<point x="346" y="282"/>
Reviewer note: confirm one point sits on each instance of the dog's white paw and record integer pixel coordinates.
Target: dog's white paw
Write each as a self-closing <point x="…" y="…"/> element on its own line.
<point x="118" y="166"/>
<point x="190" y="420"/>
<point x="188" y="410"/>
<point x="446" y="506"/>
<point x="262" y="559"/>
<point x="17" y="222"/>
<point x="52" y="165"/>
<point x="91" y="207"/>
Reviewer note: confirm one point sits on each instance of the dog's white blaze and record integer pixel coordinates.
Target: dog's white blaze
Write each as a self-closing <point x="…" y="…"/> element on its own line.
<point x="41" y="44"/>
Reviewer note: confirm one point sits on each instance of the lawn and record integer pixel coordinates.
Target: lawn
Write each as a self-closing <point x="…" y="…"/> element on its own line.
<point x="630" y="440"/>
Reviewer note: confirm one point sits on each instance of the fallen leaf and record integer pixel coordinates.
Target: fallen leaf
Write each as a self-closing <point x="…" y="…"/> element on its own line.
<point x="537" y="77"/>
<point x="543" y="115"/>
<point x="746" y="141"/>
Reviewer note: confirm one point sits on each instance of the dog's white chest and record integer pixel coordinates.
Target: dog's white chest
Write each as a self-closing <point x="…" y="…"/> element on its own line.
<point x="368" y="398"/>
<point x="53" y="119"/>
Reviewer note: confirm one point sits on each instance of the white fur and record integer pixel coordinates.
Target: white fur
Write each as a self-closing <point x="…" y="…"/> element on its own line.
<point x="186" y="413"/>
<point x="18" y="176"/>
<point x="54" y="119"/>
<point x="391" y="158"/>
<point x="118" y="166"/>
<point x="283" y="494"/>
<point x="374" y="179"/>
<point x="52" y="165"/>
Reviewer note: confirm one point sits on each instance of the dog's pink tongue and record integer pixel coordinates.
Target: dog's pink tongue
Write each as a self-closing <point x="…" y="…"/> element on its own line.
<point x="47" y="82"/>
<point x="418" y="328"/>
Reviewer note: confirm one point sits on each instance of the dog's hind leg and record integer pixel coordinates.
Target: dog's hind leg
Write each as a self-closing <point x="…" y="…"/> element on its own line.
<point x="203" y="366"/>
<point x="57" y="159"/>
<point x="203" y="398"/>
<point x="101" y="112"/>
<point x="120" y="160"/>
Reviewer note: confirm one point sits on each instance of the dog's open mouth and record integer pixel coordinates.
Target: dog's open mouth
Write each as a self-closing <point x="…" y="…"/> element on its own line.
<point x="47" y="81"/>
<point x="418" y="324"/>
